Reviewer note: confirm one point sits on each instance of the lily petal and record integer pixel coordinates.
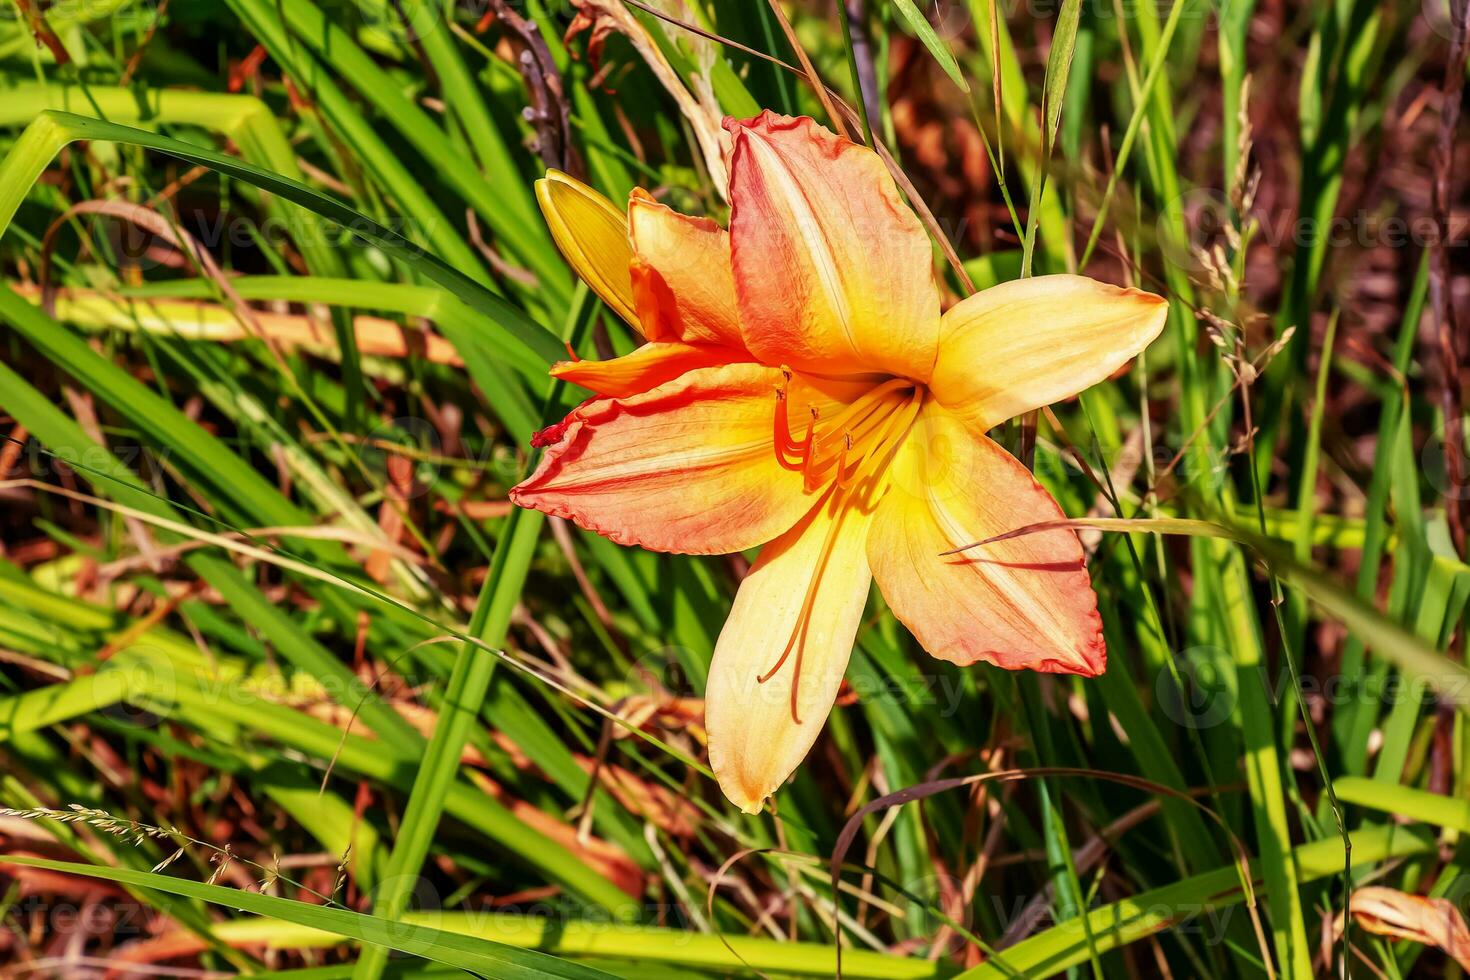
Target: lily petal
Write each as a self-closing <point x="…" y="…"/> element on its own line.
<point x="754" y="740"/>
<point x="592" y="233"/>
<point x="647" y="367"/>
<point x="1030" y="342"/>
<point x="1025" y="602"/>
<point x="833" y="271"/>
<point x="688" y="467"/>
<point x="683" y="282"/>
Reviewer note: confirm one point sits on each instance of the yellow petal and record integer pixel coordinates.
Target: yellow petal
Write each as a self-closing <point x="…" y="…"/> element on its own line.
<point x="592" y="234"/>
<point x="754" y="740"/>
<point x="833" y="272"/>
<point x="1031" y="342"/>
<point x="1022" y="603"/>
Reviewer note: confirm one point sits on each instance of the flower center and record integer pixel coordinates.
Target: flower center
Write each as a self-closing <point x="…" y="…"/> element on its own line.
<point x="847" y="454"/>
<point x="853" y="445"/>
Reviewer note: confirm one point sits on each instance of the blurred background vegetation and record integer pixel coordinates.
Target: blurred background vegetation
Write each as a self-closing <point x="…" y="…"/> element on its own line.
<point x="276" y="314"/>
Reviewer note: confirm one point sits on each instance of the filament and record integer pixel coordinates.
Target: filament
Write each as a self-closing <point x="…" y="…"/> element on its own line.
<point x="870" y="430"/>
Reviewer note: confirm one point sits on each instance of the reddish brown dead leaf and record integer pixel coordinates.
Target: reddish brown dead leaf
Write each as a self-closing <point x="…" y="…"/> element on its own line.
<point x="609" y="860"/>
<point x="1398" y="915"/>
<point x="660" y="806"/>
<point x="605" y="858"/>
<point x="42" y="32"/>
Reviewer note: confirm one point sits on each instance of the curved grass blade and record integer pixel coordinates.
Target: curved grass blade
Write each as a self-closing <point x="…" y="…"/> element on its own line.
<point x="924" y="31"/>
<point x="480" y="955"/>
<point x="651" y="948"/>
<point x="1149" y="913"/>
<point x="1387" y="638"/>
<point x="52" y="130"/>
<point x="1402" y="801"/>
<point x="1058" y="68"/>
<point x="244" y="119"/>
<point x="55" y="429"/>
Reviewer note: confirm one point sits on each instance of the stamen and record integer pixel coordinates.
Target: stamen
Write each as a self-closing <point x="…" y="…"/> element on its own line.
<point x="886" y="443"/>
<point x="871" y="429"/>
<point x="853" y="426"/>
<point x="797" y="641"/>
<point x="868" y="399"/>
<point x="859" y="432"/>
<point x="809" y="481"/>
<point x="804" y="619"/>
<point x="782" y="429"/>
<point x="781" y="660"/>
<point x="842" y="458"/>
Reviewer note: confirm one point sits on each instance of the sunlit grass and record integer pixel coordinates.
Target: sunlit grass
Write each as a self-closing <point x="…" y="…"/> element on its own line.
<point x="279" y="663"/>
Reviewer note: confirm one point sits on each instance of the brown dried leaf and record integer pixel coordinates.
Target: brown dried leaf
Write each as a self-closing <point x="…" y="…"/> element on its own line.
<point x="660" y="806"/>
<point x="1399" y="915"/>
<point x="700" y="108"/>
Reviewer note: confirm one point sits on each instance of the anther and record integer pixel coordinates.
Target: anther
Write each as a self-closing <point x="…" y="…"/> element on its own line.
<point x="785" y="447"/>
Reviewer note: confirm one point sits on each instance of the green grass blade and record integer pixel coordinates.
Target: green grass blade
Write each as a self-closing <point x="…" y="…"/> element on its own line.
<point x="1415" y="804"/>
<point x="1149" y="913"/>
<point x="44" y="138"/>
<point x="627" y="948"/>
<point x="53" y="428"/>
<point x="1054" y="94"/>
<point x="480" y="955"/>
<point x="55" y="703"/>
<point x="473" y="668"/>
<point x="924" y="31"/>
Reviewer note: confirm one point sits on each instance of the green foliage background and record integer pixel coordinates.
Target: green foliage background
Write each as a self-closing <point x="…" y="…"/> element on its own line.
<point x="277" y="664"/>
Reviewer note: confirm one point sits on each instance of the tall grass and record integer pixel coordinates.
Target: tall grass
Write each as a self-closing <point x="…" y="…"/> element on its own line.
<point x="288" y="688"/>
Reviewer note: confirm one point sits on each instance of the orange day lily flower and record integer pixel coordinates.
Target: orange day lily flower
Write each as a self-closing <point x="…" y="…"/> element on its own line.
<point x="800" y="391"/>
